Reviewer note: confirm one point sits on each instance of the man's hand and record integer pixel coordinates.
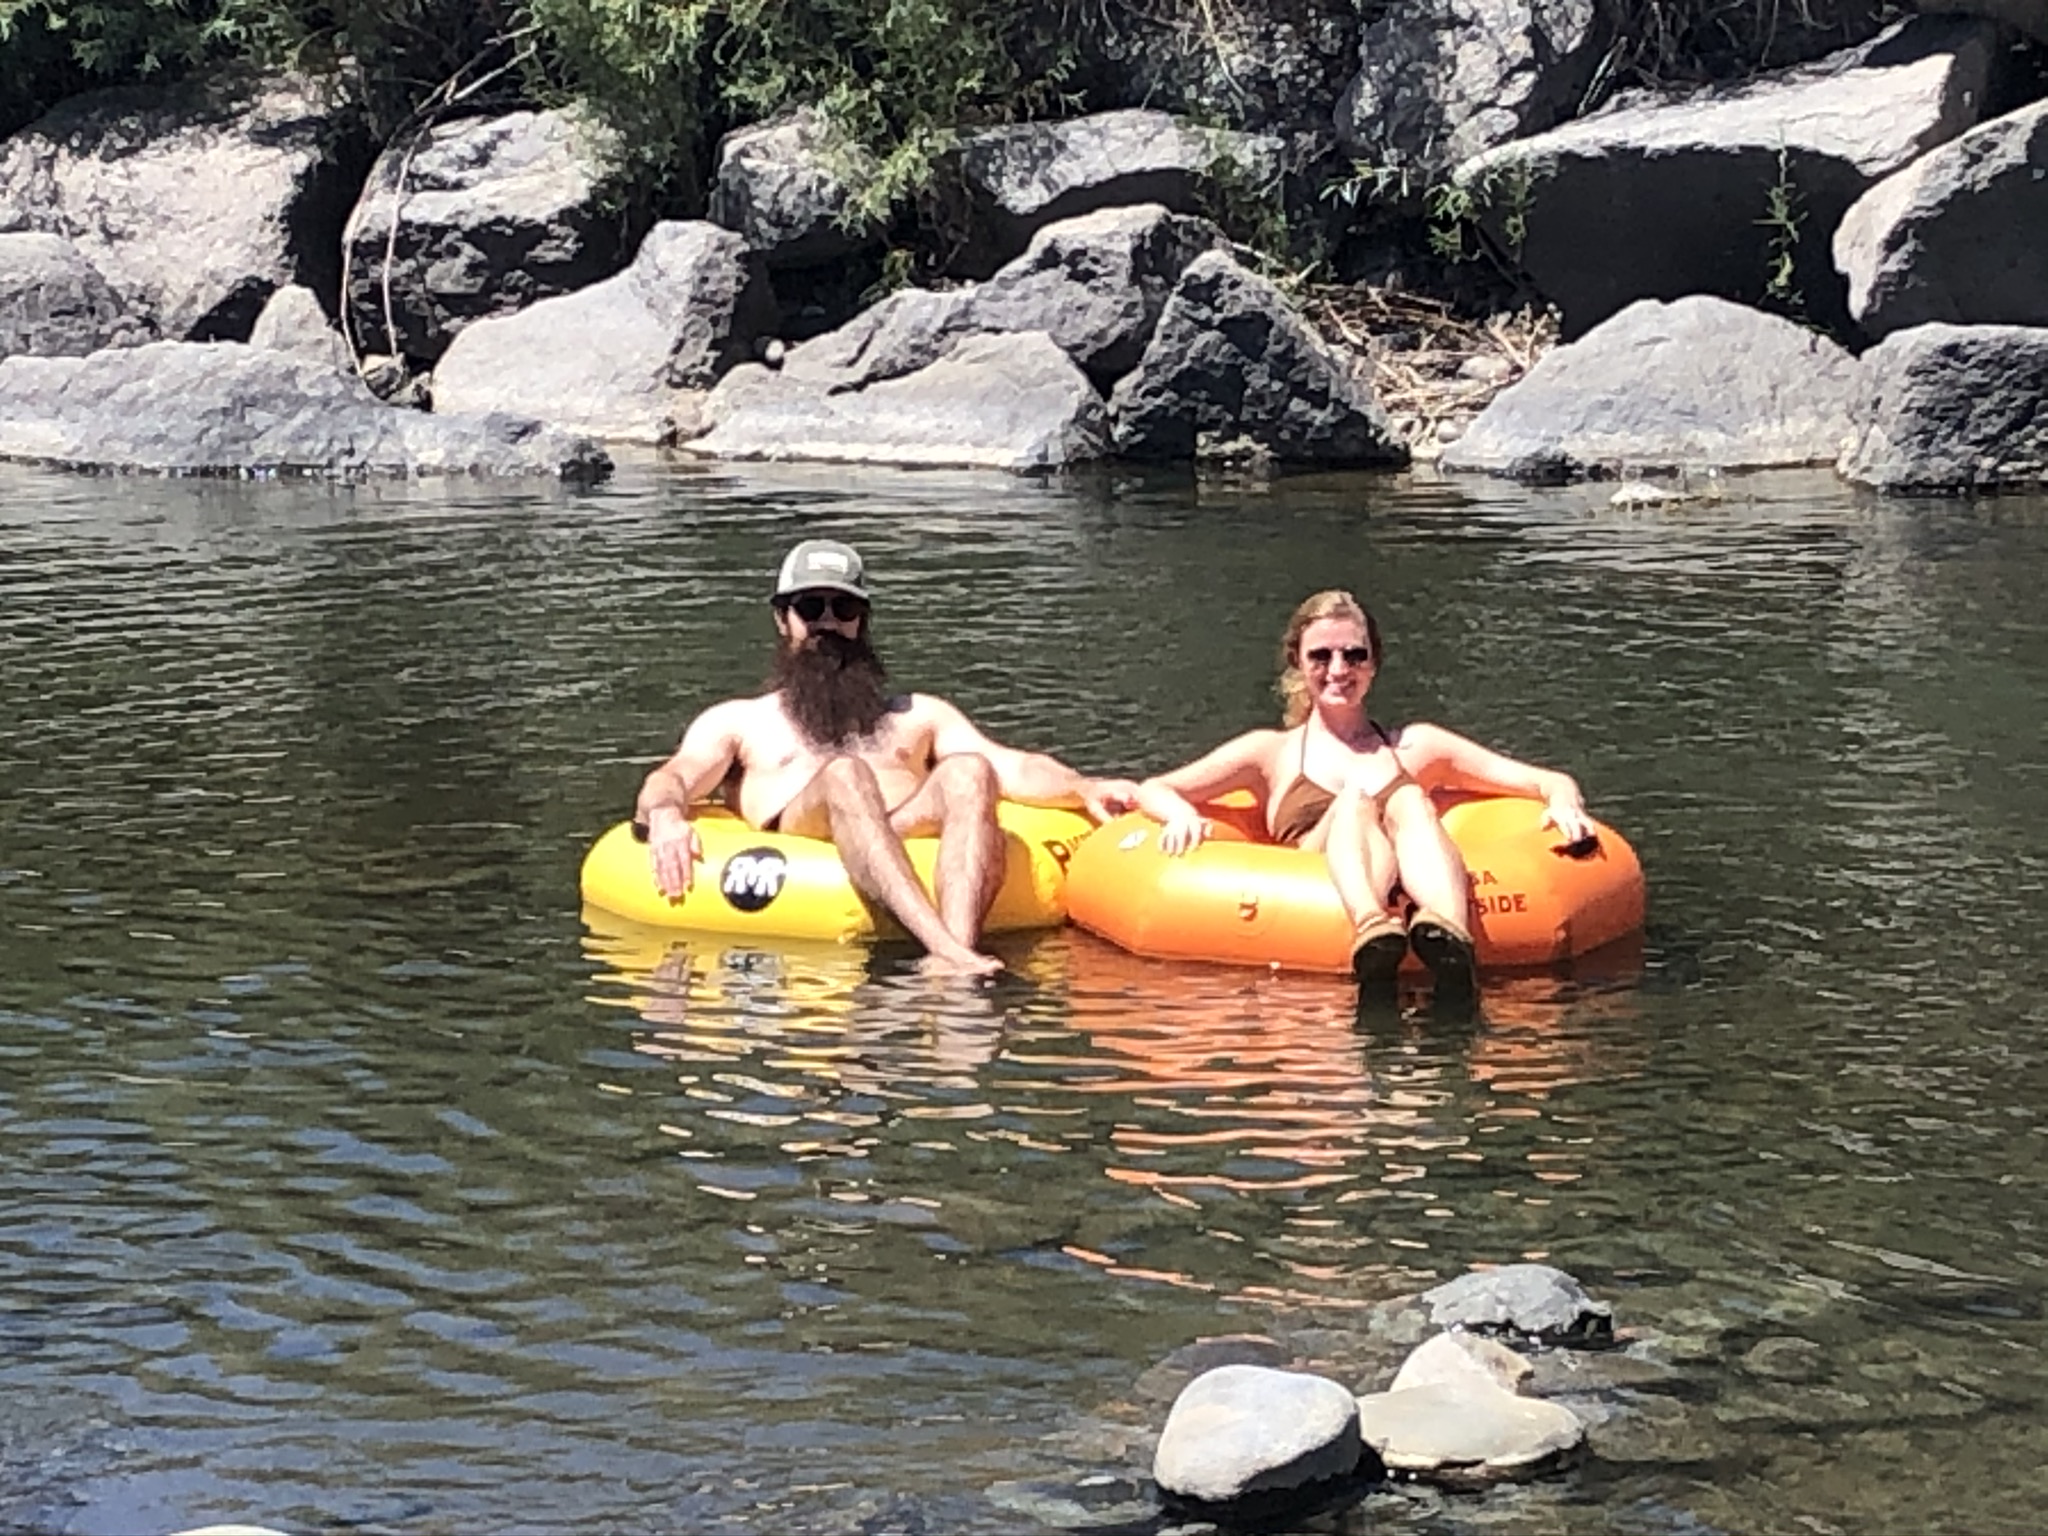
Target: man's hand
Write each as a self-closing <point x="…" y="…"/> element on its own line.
<point x="1104" y="798"/>
<point x="675" y="850"/>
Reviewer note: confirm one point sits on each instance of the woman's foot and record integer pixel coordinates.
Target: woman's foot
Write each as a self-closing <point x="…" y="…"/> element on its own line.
<point x="1378" y="946"/>
<point x="1446" y="948"/>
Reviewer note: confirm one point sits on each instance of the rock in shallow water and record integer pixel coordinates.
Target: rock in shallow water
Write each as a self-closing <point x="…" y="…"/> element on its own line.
<point x="1241" y="1430"/>
<point x="1529" y="1300"/>
<point x="226" y="409"/>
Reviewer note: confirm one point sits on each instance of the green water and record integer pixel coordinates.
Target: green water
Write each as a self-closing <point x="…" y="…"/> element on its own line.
<point x="348" y="1182"/>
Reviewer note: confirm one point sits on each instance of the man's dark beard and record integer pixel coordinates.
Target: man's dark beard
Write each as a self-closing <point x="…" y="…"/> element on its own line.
<point x="834" y="689"/>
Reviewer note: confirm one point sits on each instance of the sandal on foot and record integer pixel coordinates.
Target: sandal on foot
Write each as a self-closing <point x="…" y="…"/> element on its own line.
<point x="1378" y="946"/>
<point x="1447" y="950"/>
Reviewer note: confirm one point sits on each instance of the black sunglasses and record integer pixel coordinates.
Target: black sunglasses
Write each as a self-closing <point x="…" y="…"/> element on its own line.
<point x="1323" y="655"/>
<point x="811" y="606"/>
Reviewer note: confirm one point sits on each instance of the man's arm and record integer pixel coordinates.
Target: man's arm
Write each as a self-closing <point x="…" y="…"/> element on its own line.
<point x="709" y="747"/>
<point x="1033" y="778"/>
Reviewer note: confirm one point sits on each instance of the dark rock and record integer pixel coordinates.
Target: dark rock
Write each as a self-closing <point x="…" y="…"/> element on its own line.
<point x="1675" y="197"/>
<point x="1243" y="1430"/>
<point x="1166" y="1381"/>
<point x="1446" y="80"/>
<point x="1523" y="1301"/>
<point x="1096" y="284"/>
<point x="1270" y="68"/>
<point x="1229" y="357"/>
<point x="2029" y="18"/>
<point x="1954" y="409"/>
<point x="54" y="303"/>
<point x="194" y="204"/>
<point x="1695" y="384"/>
<point x="492" y="214"/>
<point x="1957" y="235"/>
<point x="1025" y="176"/>
<point x="225" y="409"/>
<point x="782" y="186"/>
<point x="626" y="357"/>
<point x="995" y="402"/>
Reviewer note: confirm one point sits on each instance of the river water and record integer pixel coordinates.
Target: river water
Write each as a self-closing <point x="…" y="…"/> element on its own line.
<point x="352" y="1182"/>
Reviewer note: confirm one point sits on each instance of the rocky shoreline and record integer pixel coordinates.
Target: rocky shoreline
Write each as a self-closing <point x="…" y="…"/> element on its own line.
<point x="1832" y="264"/>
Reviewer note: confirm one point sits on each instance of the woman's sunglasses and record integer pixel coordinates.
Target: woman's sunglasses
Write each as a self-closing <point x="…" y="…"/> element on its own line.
<point x="811" y="606"/>
<point x="1323" y="655"/>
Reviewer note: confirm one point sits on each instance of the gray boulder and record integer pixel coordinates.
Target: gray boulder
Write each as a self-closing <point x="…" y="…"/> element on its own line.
<point x="1024" y="176"/>
<point x="1954" y="409"/>
<point x="227" y="409"/>
<point x="195" y="206"/>
<point x="993" y="402"/>
<point x="294" y="322"/>
<point x="1446" y="80"/>
<point x="782" y="185"/>
<point x="1230" y="360"/>
<point x="1958" y="235"/>
<point x="1735" y="191"/>
<point x="1242" y="1430"/>
<point x="54" y="303"/>
<point x="1528" y="1301"/>
<point x="1096" y="284"/>
<point x="625" y="358"/>
<point x="491" y="215"/>
<point x="1695" y="384"/>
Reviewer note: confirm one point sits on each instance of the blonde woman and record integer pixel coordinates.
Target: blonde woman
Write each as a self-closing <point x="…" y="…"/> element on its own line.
<point x="1334" y="780"/>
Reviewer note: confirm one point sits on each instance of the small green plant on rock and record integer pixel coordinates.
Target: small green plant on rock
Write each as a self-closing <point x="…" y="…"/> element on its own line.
<point x="1783" y="219"/>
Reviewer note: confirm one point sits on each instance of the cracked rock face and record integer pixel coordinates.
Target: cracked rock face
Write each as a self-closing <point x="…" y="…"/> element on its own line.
<point x="195" y="204"/>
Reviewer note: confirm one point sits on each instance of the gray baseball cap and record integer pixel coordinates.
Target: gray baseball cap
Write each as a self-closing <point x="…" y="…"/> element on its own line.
<point x="825" y="563"/>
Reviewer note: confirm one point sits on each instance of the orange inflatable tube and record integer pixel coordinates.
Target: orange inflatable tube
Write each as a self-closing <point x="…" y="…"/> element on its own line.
<point x="1242" y="900"/>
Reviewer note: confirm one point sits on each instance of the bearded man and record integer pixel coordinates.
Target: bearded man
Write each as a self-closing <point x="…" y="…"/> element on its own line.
<point x="828" y="750"/>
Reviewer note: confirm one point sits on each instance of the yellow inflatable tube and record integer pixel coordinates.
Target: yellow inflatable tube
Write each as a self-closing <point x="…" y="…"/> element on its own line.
<point x="771" y="885"/>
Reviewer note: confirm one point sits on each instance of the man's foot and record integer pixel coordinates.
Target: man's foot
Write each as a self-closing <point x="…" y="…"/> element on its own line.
<point x="1378" y="946"/>
<point x="1447" y="950"/>
<point x="958" y="960"/>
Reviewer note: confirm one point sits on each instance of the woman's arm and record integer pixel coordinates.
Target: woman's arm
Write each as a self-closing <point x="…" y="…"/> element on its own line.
<point x="1443" y="759"/>
<point x="1169" y="798"/>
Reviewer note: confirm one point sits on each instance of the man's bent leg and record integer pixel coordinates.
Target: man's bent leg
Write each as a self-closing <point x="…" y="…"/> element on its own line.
<point x="844" y="803"/>
<point x="960" y="797"/>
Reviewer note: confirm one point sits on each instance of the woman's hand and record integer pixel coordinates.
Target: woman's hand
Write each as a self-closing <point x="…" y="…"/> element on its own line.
<point x="1565" y="809"/>
<point x="1183" y="832"/>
